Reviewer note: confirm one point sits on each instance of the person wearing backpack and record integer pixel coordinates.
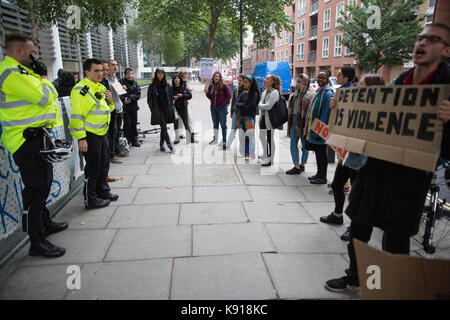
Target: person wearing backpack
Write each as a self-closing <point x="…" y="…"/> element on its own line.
<point x="269" y="98"/>
<point x="220" y="95"/>
<point x="319" y="109"/>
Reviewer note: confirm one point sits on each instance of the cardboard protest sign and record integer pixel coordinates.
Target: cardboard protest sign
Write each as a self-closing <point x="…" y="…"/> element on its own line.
<point x="206" y="68"/>
<point x="398" y="124"/>
<point x="322" y="130"/>
<point x="385" y="276"/>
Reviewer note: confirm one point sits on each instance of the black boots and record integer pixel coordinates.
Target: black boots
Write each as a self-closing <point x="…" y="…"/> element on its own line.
<point x="51" y="226"/>
<point x="109" y="196"/>
<point x="40" y="246"/>
<point x="97" y="203"/>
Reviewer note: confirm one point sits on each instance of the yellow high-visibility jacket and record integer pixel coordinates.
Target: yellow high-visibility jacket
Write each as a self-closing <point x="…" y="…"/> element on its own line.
<point x="26" y="100"/>
<point x="88" y="112"/>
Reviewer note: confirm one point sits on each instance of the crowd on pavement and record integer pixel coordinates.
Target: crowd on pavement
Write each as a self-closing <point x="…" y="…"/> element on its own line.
<point x="382" y="194"/>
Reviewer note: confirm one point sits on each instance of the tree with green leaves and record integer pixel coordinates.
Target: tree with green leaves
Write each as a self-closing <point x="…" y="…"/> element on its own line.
<point x="93" y="13"/>
<point x="381" y="32"/>
<point x="195" y="16"/>
<point x="157" y="42"/>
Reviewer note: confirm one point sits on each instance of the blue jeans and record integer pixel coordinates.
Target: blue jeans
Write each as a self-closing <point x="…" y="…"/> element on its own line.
<point x="233" y="129"/>
<point x="294" y="146"/>
<point x="220" y="115"/>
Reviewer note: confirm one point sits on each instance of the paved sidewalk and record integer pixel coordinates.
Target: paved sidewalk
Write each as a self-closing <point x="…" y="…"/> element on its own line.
<point x="198" y="224"/>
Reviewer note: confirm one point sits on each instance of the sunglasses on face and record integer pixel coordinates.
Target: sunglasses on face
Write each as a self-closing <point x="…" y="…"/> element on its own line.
<point x="431" y="39"/>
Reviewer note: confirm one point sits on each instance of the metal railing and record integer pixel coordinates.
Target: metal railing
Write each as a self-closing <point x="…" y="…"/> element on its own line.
<point x="312" y="57"/>
<point x="314" y="8"/>
<point x="313" y="33"/>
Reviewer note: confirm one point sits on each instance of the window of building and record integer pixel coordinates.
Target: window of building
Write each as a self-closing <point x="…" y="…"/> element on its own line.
<point x="325" y="47"/>
<point x="301" y="7"/>
<point x="326" y="19"/>
<point x="281" y="55"/>
<point x="338" y="45"/>
<point x="278" y="56"/>
<point x="339" y="12"/>
<point x="287" y="55"/>
<point x="301" y="30"/>
<point x="301" y="51"/>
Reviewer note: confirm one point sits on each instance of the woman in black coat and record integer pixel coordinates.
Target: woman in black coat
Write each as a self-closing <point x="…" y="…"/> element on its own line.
<point x="130" y="107"/>
<point x="181" y="95"/>
<point x="160" y="101"/>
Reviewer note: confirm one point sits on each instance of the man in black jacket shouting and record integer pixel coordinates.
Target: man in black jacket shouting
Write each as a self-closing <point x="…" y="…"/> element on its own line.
<point x="393" y="195"/>
<point x="130" y="107"/>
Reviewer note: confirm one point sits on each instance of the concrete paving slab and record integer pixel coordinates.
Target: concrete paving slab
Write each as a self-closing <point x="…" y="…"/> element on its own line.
<point x="305" y="238"/>
<point x="168" y="180"/>
<point x="276" y="212"/>
<point x="170" y="168"/>
<point x="143" y="216"/>
<point x="81" y="218"/>
<point x="126" y="196"/>
<point x="230" y="239"/>
<point x="303" y="276"/>
<point x="36" y="283"/>
<point x="221" y="194"/>
<point x="125" y="183"/>
<point x="121" y="170"/>
<point x="81" y="246"/>
<point x="210" y="213"/>
<point x="150" y="243"/>
<point x="294" y="180"/>
<point x="163" y="195"/>
<point x="275" y="193"/>
<point x="252" y="179"/>
<point x="129" y="280"/>
<point x="231" y="277"/>
<point x="215" y="174"/>
<point x="316" y="192"/>
<point x="135" y="158"/>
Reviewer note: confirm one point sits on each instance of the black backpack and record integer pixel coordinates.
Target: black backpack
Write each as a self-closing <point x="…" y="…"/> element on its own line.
<point x="278" y="115"/>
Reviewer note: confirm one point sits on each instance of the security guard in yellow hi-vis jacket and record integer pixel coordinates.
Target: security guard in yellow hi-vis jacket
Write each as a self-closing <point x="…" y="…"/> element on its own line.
<point x="28" y="111"/>
<point x="91" y="112"/>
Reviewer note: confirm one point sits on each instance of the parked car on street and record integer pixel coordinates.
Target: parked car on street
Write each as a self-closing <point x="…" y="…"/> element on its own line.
<point x="334" y="83"/>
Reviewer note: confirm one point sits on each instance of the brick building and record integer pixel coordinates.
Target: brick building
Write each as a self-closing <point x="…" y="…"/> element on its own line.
<point x="316" y="43"/>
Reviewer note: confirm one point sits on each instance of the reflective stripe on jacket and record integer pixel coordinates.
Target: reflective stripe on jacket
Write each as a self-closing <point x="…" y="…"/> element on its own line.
<point x="88" y="112"/>
<point x="26" y="100"/>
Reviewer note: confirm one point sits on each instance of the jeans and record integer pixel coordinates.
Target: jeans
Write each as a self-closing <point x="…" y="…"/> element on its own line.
<point x="294" y="146"/>
<point x="341" y="176"/>
<point x="247" y="140"/>
<point x="219" y="115"/>
<point x="232" y="134"/>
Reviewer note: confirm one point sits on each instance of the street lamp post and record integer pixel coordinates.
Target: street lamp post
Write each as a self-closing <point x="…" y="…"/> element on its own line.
<point x="241" y="42"/>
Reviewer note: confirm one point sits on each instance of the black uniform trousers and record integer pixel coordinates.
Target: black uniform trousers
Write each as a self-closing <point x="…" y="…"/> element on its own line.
<point x="97" y="167"/>
<point x="320" y="151"/>
<point x="37" y="177"/>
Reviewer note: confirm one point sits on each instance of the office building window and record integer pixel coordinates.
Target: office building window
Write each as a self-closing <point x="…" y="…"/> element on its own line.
<point x="326" y="19"/>
<point x="325" y="47"/>
<point x="338" y="45"/>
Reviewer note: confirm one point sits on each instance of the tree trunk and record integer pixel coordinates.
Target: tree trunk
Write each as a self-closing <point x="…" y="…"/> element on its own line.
<point x="212" y="32"/>
<point x="33" y="20"/>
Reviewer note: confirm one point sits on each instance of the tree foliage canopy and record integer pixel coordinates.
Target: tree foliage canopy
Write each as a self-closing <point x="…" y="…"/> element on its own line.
<point x="392" y="43"/>
<point x="200" y="18"/>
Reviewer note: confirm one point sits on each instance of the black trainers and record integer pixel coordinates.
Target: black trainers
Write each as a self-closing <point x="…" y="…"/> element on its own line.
<point x="333" y="219"/>
<point x="346" y="235"/>
<point x="46" y="249"/>
<point x="313" y="177"/>
<point x="341" y="284"/>
<point x="109" y="196"/>
<point x="318" y="181"/>
<point x="294" y="170"/>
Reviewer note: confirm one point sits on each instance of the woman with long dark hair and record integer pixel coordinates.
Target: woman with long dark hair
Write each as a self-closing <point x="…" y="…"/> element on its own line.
<point x="219" y="94"/>
<point x="247" y="105"/>
<point x="181" y="95"/>
<point x="160" y="101"/>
